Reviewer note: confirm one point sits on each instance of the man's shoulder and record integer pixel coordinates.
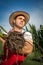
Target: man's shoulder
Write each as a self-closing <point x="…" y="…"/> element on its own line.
<point x="10" y="31"/>
<point x="28" y="35"/>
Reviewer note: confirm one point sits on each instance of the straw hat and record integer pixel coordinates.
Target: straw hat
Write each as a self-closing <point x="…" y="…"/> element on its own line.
<point x="14" y="14"/>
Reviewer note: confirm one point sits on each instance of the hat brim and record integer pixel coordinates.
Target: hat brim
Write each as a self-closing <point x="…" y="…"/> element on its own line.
<point x="14" y="14"/>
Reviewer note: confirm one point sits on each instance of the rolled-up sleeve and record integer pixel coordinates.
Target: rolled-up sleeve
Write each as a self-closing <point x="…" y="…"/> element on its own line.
<point x="28" y="36"/>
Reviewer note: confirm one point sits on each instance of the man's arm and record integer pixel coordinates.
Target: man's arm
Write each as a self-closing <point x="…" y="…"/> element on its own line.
<point x="2" y="40"/>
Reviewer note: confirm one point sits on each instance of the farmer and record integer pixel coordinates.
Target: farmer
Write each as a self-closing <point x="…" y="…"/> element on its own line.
<point x="18" y="20"/>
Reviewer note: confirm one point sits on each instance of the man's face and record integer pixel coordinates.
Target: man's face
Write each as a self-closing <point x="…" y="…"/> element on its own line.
<point x="20" y="21"/>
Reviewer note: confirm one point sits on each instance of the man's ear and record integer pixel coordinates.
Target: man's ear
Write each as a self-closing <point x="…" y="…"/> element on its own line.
<point x="14" y="21"/>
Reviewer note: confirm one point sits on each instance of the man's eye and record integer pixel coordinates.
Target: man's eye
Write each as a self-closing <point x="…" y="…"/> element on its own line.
<point x="23" y="19"/>
<point x="20" y="18"/>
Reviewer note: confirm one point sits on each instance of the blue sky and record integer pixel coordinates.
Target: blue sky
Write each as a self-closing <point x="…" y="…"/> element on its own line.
<point x="33" y="7"/>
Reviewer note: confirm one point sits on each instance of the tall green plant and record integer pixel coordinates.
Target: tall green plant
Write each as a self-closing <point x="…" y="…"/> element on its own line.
<point x="40" y="35"/>
<point x="36" y="58"/>
<point x="3" y="29"/>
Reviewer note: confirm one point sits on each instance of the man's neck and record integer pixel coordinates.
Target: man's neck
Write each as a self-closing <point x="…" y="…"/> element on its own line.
<point x="17" y="29"/>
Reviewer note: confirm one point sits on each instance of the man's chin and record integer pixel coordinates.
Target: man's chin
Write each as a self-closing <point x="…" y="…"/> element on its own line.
<point x="20" y="27"/>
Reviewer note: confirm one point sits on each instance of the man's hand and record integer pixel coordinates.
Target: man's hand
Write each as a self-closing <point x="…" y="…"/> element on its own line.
<point x="2" y="40"/>
<point x="27" y="49"/>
